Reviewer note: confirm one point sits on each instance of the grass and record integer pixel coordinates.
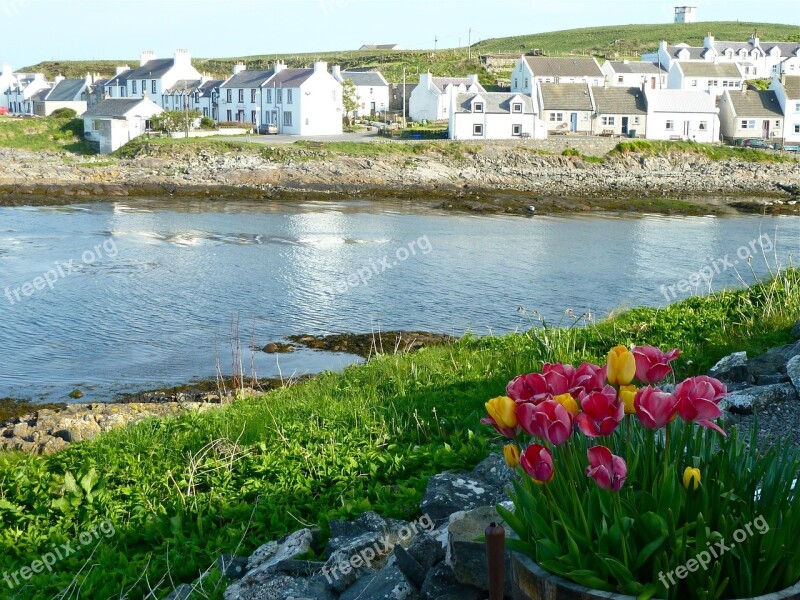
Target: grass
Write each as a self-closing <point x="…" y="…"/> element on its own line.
<point x="180" y="492"/>
<point x="45" y="134"/>
<point x="710" y="151"/>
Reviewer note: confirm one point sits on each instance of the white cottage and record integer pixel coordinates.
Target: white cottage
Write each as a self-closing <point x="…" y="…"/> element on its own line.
<point x="430" y="100"/>
<point x="787" y="92"/>
<point x="566" y="107"/>
<point x="634" y="73"/>
<point x="116" y="121"/>
<point x="65" y="93"/>
<point x="494" y="116"/>
<point x="619" y="111"/>
<point x="681" y="115"/>
<point x="7" y="78"/>
<point x="155" y="76"/>
<point x="713" y="78"/>
<point x="19" y="95"/>
<point x="750" y="114"/>
<point x="372" y="90"/>
<point x="531" y="70"/>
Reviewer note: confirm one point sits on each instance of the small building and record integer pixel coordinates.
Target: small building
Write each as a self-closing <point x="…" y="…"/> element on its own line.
<point x="494" y="116"/>
<point x="372" y="90"/>
<point x="66" y="93"/>
<point x="619" y="111"/>
<point x="686" y="14"/>
<point x="19" y="95"/>
<point x="116" y="121"/>
<point x="241" y="96"/>
<point x="635" y="73"/>
<point x="155" y="76"/>
<point x="531" y="70"/>
<point x="750" y="114"/>
<point x="566" y="107"/>
<point x="681" y="115"/>
<point x="713" y="78"/>
<point x="787" y="91"/>
<point x="430" y="100"/>
<point x="381" y="47"/>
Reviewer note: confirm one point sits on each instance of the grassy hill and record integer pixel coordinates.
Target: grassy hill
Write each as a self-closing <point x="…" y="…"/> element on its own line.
<point x="601" y="41"/>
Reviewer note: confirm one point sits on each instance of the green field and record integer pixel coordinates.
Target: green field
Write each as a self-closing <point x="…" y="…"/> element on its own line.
<point x="48" y="134"/>
<point x="601" y="41"/>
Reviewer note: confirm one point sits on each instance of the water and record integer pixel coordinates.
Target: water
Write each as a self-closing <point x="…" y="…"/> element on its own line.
<point x="153" y="287"/>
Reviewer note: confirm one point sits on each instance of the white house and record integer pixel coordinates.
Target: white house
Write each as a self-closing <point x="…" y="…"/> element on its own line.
<point x="750" y="114"/>
<point x="619" y="111"/>
<point x="117" y="86"/>
<point x="116" y="121"/>
<point x="381" y="47"/>
<point x="531" y="70"/>
<point x="494" y="116"/>
<point x="206" y="98"/>
<point x="242" y="96"/>
<point x="7" y="78"/>
<point x="430" y="100"/>
<point x="713" y="78"/>
<point x="681" y="115"/>
<point x="65" y="93"/>
<point x="787" y="91"/>
<point x="566" y="107"/>
<point x="372" y="90"/>
<point x="19" y="95"/>
<point x="156" y="75"/>
<point x="686" y="14"/>
<point x="634" y="73"/>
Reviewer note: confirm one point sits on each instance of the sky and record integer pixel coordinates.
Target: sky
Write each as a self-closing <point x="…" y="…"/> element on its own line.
<point x="35" y="30"/>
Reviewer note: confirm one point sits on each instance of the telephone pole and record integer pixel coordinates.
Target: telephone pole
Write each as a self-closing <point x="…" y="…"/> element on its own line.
<point x="469" y="45"/>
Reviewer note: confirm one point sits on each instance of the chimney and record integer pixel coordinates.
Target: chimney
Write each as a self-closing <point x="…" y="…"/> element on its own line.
<point x="183" y="58"/>
<point x="708" y="41"/>
<point x="120" y="70"/>
<point x="6" y="70"/>
<point x="754" y="39"/>
<point x="145" y="57"/>
<point x="425" y="80"/>
<point x="320" y="67"/>
<point x="58" y="79"/>
<point x="239" y="67"/>
<point x="279" y="66"/>
<point x="337" y="72"/>
<point x="473" y="78"/>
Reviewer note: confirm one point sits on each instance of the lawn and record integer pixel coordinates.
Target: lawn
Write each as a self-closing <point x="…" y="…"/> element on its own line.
<point x="44" y="134"/>
<point x="180" y="492"/>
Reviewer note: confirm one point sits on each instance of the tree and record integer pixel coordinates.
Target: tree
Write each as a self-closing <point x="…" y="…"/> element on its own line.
<point x="350" y="100"/>
<point x="171" y="121"/>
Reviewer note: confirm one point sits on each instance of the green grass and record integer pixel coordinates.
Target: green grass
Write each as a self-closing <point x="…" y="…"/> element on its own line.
<point x="710" y="151"/>
<point x="180" y="492"/>
<point x="44" y="134"/>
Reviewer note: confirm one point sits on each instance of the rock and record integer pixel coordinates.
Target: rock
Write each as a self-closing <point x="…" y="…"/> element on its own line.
<point x="344" y="532"/>
<point x="745" y="401"/>
<point x="427" y="550"/>
<point x="387" y="584"/>
<point x="356" y="559"/>
<point x="272" y="553"/>
<point x="773" y="361"/>
<point x="772" y="379"/>
<point x="466" y="556"/>
<point x="441" y="584"/>
<point x="732" y="368"/>
<point x="410" y="567"/>
<point x="796" y="330"/>
<point x="280" y="587"/>
<point x="182" y="592"/>
<point x="76" y="394"/>
<point x="234" y="567"/>
<point x="793" y="372"/>
<point x="494" y="471"/>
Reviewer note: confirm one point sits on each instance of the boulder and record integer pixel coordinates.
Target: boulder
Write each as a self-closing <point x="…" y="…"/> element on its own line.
<point x="344" y="532"/>
<point x="233" y="567"/>
<point x="356" y="559"/>
<point x="465" y="555"/>
<point x="732" y="369"/>
<point x="494" y="471"/>
<point x="427" y="550"/>
<point x="410" y="566"/>
<point x="279" y="587"/>
<point x="272" y="553"/>
<point x="796" y="330"/>
<point x="744" y="402"/>
<point x="387" y="584"/>
<point x="441" y="584"/>
<point x="793" y="372"/>
<point x="773" y="361"/>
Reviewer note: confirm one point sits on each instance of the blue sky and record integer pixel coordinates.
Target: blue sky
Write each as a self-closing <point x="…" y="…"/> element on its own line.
<point x="35" y="30"/>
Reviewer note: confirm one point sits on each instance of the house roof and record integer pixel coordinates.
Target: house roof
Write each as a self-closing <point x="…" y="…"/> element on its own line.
<point x="40" y="96"/>
<point x="619" y="100"/>
<point x="114" y="107"/>
<point x="290" y="77"/>
<point x="695" y="52"/>
<point x="680" y="101"/>
<point x="66" y="90"/>
<point x="152" y="69"/>
<point x="119" y="80"/>
<point x="566" y="96"/>
<point x="792" y="86"/>
<point x="207" y="88"/>
<point x="380" y="47"/>
<point x="720" y="47"/>
<point x="248" y="79"/>
<point x="545" y="66"/>
<point x="787" y="48"/>
<point x="709" y="69"/>
<point x="636" y="66"/>
<point x="755" y="103"/>
<point x="365" y="78"/>
<point x="495" y="102"/>
<point x="190" y="85"/>
<point x="442" y="82"/>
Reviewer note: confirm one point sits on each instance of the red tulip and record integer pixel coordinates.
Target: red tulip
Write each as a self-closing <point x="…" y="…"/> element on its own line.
<point x="602" y="412"/>
<point x="608" y="470"/>
<point x="528" y="388"/>
<point x="698" y="399"/>
<point x="504" y="431"/>
<point x="558" y="377"/>
<point x="588" y="378"/>
<point x="652" y="365"/>
<point x="537" y="462"/>
<point x="655" y="408"/>
<point x="549" y="421"/>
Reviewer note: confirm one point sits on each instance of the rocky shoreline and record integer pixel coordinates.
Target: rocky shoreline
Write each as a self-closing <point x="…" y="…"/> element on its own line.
<point x="491" y="178"/>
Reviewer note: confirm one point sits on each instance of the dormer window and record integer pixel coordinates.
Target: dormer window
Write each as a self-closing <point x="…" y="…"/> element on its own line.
<point x="516" y="107"/>
<point x="477" y="107"/>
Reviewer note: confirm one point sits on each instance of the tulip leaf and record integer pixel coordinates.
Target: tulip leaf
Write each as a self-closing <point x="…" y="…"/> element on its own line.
<point x="650" y="590"/>
<point x="590" y="579"/>
<point x="646" y="552"/>
<point x="546" y="549"/>
<point x="525" y="548"/>
<point x="516" y="524"/>
<point x="655" y="525"/>
<point x="618" y="570"/>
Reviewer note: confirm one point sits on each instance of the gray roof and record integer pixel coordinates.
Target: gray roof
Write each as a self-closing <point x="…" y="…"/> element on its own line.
<point x="380" y="46"/>
<point x="153" y="69"/>
<point x="787" y="48"/>
<point x="709" y="69"/>
<point x="695" y="52"/>
<point x="755" y="103"/>
<point x="545" y="66"/>
<point x="566" y="96"/>
<point x="792" y="86"/>
<point x="66" y="90"/>
<point x="619" y="101"/>
<point x="290" y="78"/>
<point x="41" y="95"/>
<point x="248" y="79"/>
<point x="190" y="85"/>
<point x="680" y="101"/>
<point x="443" y="82"/>
<point x="365" y="78"/>
<point x="635" y="66"/>
<point x="207" y="88"/>
<point x="120" y="80"/>
<point x="113" y="107"/>
<point x="495" y="102"/>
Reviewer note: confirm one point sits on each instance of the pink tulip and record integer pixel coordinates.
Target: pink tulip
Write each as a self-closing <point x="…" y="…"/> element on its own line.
<point x="602" y="412"/>
<point x="588" y="378"/>
<point x="698" y="399"/>
<point x="608" y="470"/>
<point x="652" y="365"/>
<point x="655" y="408"/>
<point x="537" y="462"/>
<point x="549" y="421"/>
<point x="504" y="431"/>
<point x="528" y="388"/>
<point x="558" y="377"/>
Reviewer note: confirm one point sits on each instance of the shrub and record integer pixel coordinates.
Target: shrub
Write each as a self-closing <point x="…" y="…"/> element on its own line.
<point x="207" y="123"/>
<point x="64" y="113"/>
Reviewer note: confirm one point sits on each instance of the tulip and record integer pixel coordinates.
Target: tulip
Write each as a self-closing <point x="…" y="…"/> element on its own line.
<point x="501" y="409"/>
<point x="602" y="412"/>
<point x="691" y="475"/>
<point x="528" y="388"/>
<point x="652" y="365"/>
<point x="510" y="433"/>
<point x="698" y="401"/>
<point x="608" y="470"/>
<point x="568" y="402"/>
<point x="537" y="462"/>
<point x="558" y="377"/>
<point x="511" y="454"/>
<point x="621" y="366"/>
<point x="549" y="421"/>
<point x="588" y="378"/>
<point x="655" y="408"/>
<point x="627" y="393"/>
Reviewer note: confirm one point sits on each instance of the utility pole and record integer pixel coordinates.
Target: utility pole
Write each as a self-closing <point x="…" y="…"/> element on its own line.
<point x="404" y="97"/>
<point x="469" y="45"/>
<point x="186" y="107"/>
<point x="435" y="43"/>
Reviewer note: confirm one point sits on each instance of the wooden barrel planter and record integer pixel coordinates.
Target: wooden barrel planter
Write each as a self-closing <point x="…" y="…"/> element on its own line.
<point x="530" y="582"/>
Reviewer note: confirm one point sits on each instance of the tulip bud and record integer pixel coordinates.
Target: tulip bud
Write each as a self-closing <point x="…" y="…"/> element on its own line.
<point x="502" y="410"/>
<point x="511" y="454"/>
<point x="691" y="475"/>
<point x="627" y="393"/>
<point x="568" y="402"/>
<point x="621" y="366"/>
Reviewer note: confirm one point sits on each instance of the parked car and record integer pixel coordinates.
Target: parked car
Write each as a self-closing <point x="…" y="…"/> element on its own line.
<point x="268" y="129"/>
<point x="3" y="110"/>
<point x="756" y="143"/>
<point x="791" y="148"/>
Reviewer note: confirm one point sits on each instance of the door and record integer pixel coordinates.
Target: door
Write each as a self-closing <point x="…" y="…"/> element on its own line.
<point x="686" y="127"/>
<point x="765" y="129"/>
<point x="372" y="108"/>
<point x="652" y="83"/>
<point x="624" y="126"/>
<point x="573" y="122"/>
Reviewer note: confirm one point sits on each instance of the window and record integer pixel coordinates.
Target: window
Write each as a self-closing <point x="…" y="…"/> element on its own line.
<point x="96" y="125"/>
<point x="230" y="114"/>
<point x="269" y="96"/>
<point x="279" y="93"/>
<point x="144" y="86"/>
<point x="635" y="120"/>
<point x="694" y="82"/>
<point x="477" y="129"/>
<point x="714" y="83"/>
<point x="516" y="83"/>
<point x="556" y="116"/>
<point x="197" y="97"/>
<point x="287" y="119"/>
<point x="748" y="123"/>
<point x="516" y="130"/>
<point x="797" y="128"/>
<point x="205" y="112"/>
<point x="477" y="107"/>
<point x="797" y="107"/>
<point x="620" y="79"/>
<point x="253" y="96"/>
<point x="289" y="96"/>
<point x="703" y="126"/>
<point x="516" y="107"/>
<point x="241" y="96"/>
<point x="253" y="116"/>
<point x="526" y="82"/>
<point x="154" y="86"/>
<point x="371" y="91"/>
<point x="133" y="87"/>
<point x="670" y="125"/>
<point x="609" y="120"/>
<point x="229" y="98"/>
<point x="777" y="123"/>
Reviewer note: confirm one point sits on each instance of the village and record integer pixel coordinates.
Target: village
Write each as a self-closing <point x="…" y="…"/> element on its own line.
<point x="742" y="92"/>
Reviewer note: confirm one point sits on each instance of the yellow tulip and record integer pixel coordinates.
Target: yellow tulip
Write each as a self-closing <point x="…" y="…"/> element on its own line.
<point x="621" y="366"/>
<point x="627" y="393"/>
<point x="511" y="453"/>
<point x="502" y="410"/>
<point x="689" y="475"/>
<point x="568" y="402"/>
